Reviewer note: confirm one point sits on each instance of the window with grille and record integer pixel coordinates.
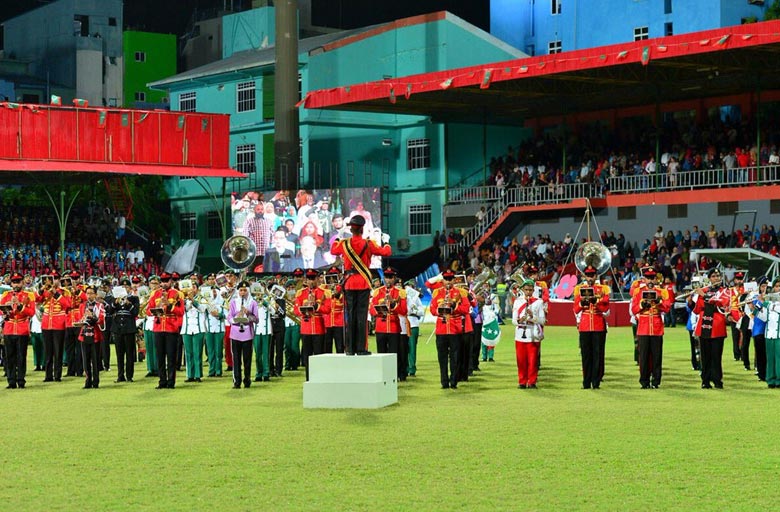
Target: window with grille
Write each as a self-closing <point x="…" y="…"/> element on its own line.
<point x="419" y="219"/>
<point x="245" y="95"/>
<point x="140" y="56"/>
<point x="187" y="101"/>
<point x="554" y="47"/>
<point x="626" y="212"/>
<point x="555" y="6"/>
<point x="641" y="33"/>
<point x="677" y="211"/>
<point x="727" y="208"/>
<point x="188" y="226"/>
<point x="418" y="153"/>
<point x="245" y="158"/>
<point x="213" y="226"/>
<point x="140" y="96"/>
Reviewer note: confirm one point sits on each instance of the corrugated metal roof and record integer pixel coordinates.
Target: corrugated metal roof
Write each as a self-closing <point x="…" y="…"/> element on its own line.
<point x="249" y="59"/>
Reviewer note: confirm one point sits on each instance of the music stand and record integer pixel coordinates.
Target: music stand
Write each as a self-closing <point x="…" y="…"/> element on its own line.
<point x="650" y="295"/>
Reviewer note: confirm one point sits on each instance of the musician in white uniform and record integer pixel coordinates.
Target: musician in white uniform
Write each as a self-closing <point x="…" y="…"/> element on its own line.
<point x="215" y="328"/>
<point x="528" y="317"/>
<point x="262" y="339"/>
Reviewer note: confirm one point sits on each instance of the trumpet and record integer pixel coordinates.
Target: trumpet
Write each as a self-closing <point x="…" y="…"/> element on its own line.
<point x="448" y="305"/>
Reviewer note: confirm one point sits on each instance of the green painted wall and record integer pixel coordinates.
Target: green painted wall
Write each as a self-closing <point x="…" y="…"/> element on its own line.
<point x="159" y="62"/>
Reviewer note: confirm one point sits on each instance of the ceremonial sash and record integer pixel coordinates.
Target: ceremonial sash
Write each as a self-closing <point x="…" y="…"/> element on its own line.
<point x="357" y="263"/>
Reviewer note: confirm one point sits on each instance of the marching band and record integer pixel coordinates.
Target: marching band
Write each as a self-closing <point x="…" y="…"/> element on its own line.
<point x="284" y="321"/>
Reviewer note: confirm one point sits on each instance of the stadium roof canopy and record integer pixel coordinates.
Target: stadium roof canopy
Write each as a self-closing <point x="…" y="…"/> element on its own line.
<point x="743" y="259"/>
<point x="712" y="63"/>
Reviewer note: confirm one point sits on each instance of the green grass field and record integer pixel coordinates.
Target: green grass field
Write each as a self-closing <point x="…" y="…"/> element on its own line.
<point x="485" y="446"/>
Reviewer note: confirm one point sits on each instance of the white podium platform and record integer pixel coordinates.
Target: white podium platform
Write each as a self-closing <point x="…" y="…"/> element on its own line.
<point x="337" y="381"/>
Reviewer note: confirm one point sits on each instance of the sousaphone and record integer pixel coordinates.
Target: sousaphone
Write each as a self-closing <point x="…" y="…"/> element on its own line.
<point x="238" y="252"/>
<point x="594" y="254"/>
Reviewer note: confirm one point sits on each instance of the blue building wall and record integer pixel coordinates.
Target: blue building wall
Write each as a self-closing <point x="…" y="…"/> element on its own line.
<point x="248" y="30"/>
<point x="530" y="25"/>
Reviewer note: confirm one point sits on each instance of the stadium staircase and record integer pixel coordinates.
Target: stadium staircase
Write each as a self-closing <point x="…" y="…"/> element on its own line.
<point x="119" y="194"/>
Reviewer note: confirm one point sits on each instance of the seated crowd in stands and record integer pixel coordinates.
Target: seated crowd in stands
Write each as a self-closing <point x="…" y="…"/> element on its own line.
<point x="594" y="154"/>
<point x="29" y="243"/>
<point x="668" y="251"/>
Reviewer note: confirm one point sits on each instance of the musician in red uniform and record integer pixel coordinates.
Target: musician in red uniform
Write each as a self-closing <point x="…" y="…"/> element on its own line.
<point x="334" y="320"/>
<point x="56" y="302"/>
<point x="712" y="304"/>
<point x="649" y="306"/>
<point x="20" y="307"/>
<point x="92" y="316"/>
<point x="451" y="307"/>
<point x="388" y="303"/>
<point x="669" y="318"/>
<point x="168" y="308"/>
<point x="310" y="306"/>
<point x="356" y="252"/>
<point x="591" y="302"/>
<point x="736" y="291"/>
<point x="72" y="350"/>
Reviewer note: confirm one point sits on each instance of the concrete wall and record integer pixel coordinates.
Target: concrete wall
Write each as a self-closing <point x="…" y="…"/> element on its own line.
<point x="60" y="53"/>
<point x="89" y="64"/>
<point x="205" y="47"/>
<point x="648" y="218"/>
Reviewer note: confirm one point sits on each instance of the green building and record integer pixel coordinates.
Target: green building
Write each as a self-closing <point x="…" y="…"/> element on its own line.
<point x="148" y="57"/>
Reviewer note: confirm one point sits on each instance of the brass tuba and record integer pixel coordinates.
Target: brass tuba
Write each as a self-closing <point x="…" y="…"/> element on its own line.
<point x="238" y="252"/>
<point x="483" y="283"/>
<point x="594" y="254"/>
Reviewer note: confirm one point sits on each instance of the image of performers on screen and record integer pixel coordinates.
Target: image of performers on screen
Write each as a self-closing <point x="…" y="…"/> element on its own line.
<point x="295" y="229"/>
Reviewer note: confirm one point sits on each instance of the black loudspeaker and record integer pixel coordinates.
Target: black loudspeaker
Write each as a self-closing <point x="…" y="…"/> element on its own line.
<point x="755" y="270"/>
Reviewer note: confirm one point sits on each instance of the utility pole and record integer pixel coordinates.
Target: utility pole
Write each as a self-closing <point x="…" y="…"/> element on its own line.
<point x="286" y="145"/>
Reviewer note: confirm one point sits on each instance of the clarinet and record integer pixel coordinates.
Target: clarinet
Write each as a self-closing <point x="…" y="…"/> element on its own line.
<point x="243" y="312"/>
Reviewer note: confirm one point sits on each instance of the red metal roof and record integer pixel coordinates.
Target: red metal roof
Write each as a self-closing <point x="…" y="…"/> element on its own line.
<point x="715" y="62"/>
<point x="48" y="166"/>
<point x="111" y="140"/>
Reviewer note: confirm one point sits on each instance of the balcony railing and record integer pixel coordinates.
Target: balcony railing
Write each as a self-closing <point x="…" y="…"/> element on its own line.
<point x="522" y="196"/>
<point x="690" y="180"/>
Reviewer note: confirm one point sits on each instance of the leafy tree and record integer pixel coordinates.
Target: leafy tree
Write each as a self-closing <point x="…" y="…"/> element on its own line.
<point x="773" y="11"/>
